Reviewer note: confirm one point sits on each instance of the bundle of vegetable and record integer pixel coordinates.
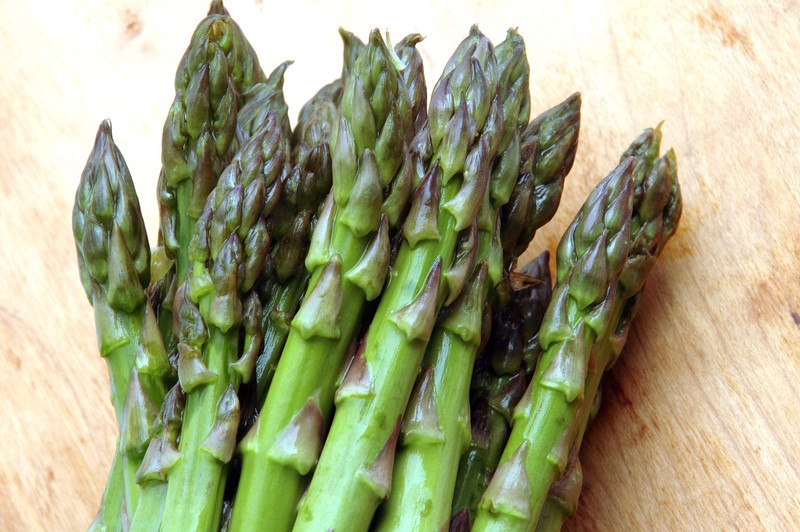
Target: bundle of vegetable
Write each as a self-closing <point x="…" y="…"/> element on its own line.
<point x="256" y="386"/>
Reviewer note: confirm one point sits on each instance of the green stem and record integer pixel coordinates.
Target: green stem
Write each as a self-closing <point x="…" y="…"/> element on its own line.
<point x="425" y="472"/>
<point x="117" y="334"/>
<point x="196" y="484"/>
<point x="319" y="361"/>
<point x="151" y="507"/>
<point x="339" y="497"/>
<point x="109" y="518"/>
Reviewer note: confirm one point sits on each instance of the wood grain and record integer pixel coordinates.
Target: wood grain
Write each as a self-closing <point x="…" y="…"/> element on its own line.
<point x="699" y="428"/>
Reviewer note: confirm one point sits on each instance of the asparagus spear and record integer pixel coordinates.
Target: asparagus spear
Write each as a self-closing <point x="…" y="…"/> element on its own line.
<point x="563" y="379"/>
<point x="199" y="133"/>
<point x="465" y="121"/>
<point x="113" y="260"/>
<point x="548" y="148"/>
<point x="657" y="210"/>
<point x="286" y="278"/>
<point x="348" y="258"/>
<point x="498" y="383"/>
<point x="228" y="251"/>
<point x="590" y="258"/>
<point x="436" y="424"/>
<point x="426" y="472"/>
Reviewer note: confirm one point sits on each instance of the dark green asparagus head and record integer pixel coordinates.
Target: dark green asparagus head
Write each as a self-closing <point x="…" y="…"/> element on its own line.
<point x="231" y="240"/>
<point x="308" y="184"/>
<point x="548" y="148"/>
<point x="513" y="347"/>
<point x="514" y="91"/>
<point x="332" y="92"/>
<point x="412" y="77"/>
<point x="110" y="236"/>
<point x="462" y="100"/>
<point x="374" y="116"/>
<point x="259" y="100"/>
<point x="656" y="208"/>
<point x="590" y="258"/>
<point x="199" y="134"/>
<point x="220" y="28"/>
<point x="352" y="47"/>
<point x="512" y="62"/>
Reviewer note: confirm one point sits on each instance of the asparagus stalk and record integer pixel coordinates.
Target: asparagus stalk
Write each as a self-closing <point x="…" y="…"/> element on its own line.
<point x="436" y="426"/>
<point x="426" y="470"/>
<point x="499" y="380"/>
<point x="590" y="259"/>
<point x="199" y="133"/>
<point x="113" y="260"/>
<point x="564" y="382"/>
<point x="465" y="121"/>
<point x="348" y="258"/>
<point x="657" y="210"/>
<point x="285" y="280"/>
<point x="548" y="146"/>
<point x="228" y="252"/>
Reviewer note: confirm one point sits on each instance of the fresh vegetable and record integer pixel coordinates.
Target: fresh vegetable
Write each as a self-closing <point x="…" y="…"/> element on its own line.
<point x="498" y="382"/>
<point x="603" y="262"/>
<point x="349" y="259"/>
<point x="466" y="125"/>
<point x="331" y="333"/>
<point x="424" y="477"/>
<point x="114" y="263"/>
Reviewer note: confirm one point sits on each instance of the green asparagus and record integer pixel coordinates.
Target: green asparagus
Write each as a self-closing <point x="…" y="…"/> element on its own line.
<point x="436" y="426"/>
<point x="590" y="258"/>
<point x="465" y="121"/>
<point x="199" y="134"/>
<point x="588" y="301"/>
<point x="348" y="258"/>
<point x="228" y="251"/>
<point x="499" y="380"/>
<point x="657" y="210"/>
<point x="285" y="279"/>
<point x="114" y="263"/>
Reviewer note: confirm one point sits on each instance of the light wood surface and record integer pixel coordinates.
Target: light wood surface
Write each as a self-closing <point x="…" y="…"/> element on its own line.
<point x="699" y="428"/>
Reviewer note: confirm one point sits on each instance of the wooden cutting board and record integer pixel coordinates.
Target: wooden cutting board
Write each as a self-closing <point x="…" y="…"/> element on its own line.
<point x="699" y="427"/>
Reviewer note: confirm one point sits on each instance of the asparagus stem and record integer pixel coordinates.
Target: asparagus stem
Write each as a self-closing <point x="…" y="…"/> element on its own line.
<point x="285" y="278"/>
<point x="590" y="256"/>
<point x="498" y="382"/>
<point x="114" y="262"/>
<point x="215" y="77"/>
<point x="593" y="288"/>
<point x="228" y="252"/>
<point x="425" y="470"/>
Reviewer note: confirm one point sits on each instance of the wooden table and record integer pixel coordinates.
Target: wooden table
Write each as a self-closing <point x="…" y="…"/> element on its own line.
<point x="699" y="428"/>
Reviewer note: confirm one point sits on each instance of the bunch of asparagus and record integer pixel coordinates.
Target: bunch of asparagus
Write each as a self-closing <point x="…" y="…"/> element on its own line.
<point x="331" y="333"/>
